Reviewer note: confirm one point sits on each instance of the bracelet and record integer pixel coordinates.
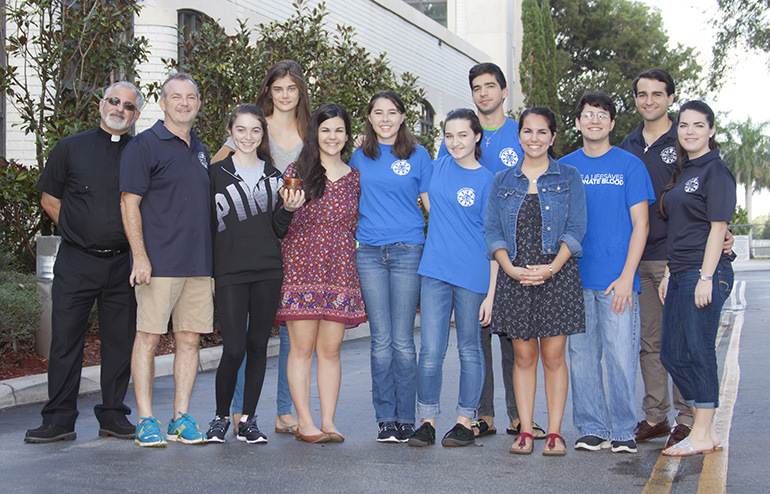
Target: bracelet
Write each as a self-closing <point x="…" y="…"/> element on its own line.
<point x="666" y="276"/>
<point x="550" y="269"/>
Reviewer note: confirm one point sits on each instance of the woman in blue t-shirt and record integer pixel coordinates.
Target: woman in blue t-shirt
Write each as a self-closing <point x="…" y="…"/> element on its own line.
<point x="698" y="203"/>
<point x="394" y="172"/>
<point x="535" y="222"/>
<point x="456" y="276"/>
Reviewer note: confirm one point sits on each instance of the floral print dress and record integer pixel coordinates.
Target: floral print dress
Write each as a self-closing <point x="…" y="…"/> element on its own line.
<point x="320" y="279"/>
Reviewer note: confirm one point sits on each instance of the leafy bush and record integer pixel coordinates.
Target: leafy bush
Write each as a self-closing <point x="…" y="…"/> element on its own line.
<point x="20" y="213"/>
<point x="740" y="217"/>
<point x="229" y="69"/>
<point x="20" y="308"/>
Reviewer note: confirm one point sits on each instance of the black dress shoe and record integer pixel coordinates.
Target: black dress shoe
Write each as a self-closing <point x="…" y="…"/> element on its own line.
<point x="48" y="433"/>
<point x="120" y="428"/>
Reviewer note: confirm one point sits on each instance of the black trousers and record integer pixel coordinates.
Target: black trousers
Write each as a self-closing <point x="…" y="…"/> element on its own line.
<point x="246" y="313"/>
<point x="79" y="279"/>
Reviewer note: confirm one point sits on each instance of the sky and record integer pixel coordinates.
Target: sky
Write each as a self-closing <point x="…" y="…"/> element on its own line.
<point x="745" y="92"/>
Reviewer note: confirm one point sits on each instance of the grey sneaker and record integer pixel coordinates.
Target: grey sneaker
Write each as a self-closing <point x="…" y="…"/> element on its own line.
<point x="459" y="435"/>
<point x="592" y="443"/>
<point x="405" y="431"/>
<point x="423" y="436"/>
<point x="250" y="433"/>
<point x="624" y="446"/>
<point x="217" y="429"/>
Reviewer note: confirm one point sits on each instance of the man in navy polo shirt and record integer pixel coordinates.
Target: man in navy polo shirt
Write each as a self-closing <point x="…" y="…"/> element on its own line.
<point x="654" y="142"/>
<point x="164" y="185"/>
<point x="500" y="150"/>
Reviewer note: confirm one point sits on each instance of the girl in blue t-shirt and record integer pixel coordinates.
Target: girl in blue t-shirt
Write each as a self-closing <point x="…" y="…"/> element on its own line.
<point x="394" y="172"/>
<point x="456" y="276"/>
<point x="697" y="203"/>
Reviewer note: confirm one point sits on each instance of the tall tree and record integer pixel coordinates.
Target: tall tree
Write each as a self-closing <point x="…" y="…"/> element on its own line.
<point x="602" y="45"/>
<point x="533" y="70"/>
<point x="740" y="23"/>
<point x="747" y="153"/>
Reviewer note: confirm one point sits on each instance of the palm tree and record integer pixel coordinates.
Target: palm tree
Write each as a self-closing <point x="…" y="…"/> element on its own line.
<point x="747" y="153"/>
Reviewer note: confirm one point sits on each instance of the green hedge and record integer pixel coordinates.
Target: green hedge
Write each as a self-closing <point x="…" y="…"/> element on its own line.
<point x="20" y="309"/>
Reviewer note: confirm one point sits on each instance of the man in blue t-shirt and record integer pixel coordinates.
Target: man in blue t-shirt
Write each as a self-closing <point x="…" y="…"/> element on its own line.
<point x="618" y="191"/>
<point x="500" y="150"/>
<point x="164" y="185"/>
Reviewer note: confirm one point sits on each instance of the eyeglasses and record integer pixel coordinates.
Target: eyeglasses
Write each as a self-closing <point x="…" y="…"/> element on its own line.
<point x="116" y="102"/>
<point x="601" y="116"/>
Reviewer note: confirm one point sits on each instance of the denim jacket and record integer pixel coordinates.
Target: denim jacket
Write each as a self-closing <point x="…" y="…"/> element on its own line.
<point x="562" y="206"/>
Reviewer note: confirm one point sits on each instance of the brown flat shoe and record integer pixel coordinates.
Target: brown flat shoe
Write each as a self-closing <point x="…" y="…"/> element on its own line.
<point x="286" y="430"/>
<point x="335" y="437"/>
<point x="318" y="438"/>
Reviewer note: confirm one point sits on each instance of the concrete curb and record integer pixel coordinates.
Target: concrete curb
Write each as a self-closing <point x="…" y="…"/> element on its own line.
<point x="34" y="389"/>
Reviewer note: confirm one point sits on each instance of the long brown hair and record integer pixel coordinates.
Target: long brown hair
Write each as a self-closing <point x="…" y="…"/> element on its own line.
<point x="681" y="153"/>
<point x="405" y="143"/>
<point x="309" y="166"/>
<point x="265" y="99"/>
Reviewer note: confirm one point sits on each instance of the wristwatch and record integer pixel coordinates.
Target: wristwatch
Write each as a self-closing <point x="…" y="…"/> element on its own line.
<point x="704" y="277"/>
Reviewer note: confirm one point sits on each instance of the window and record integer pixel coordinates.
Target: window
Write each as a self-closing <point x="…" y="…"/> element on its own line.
<point x="427" y="114"/>
<point x="435" y="9"/>
<point x="190" y="22"/>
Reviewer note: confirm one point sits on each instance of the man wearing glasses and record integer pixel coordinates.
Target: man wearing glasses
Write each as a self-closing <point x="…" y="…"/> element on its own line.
<point x="81" y="195"/>
<point x="618" y="191"/>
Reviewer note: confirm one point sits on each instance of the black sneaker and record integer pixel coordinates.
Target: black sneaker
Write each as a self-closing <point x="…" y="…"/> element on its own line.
<point x="388" y="433"/>
<point x="249" y="432"/>
<point x="423" y="436"/>
<point x="592" y="443"/>
<point x="48" y="433"/>
<point x="405" y="431"/>
<point x="459" y="435"/>
<point x="217" y="429"/>
<point x="624" y="446"/>
<point x="120" y="428"/>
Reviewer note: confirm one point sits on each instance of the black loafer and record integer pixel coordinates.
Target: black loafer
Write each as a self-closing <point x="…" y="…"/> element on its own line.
<point x="48" y="433"/>
<point x="120" y="428"/>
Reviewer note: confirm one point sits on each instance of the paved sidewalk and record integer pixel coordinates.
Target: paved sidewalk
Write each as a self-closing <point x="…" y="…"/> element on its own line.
<point x="34" y="389"/>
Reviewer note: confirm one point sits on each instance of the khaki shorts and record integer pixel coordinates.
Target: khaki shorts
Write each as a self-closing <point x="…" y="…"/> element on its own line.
<point x="188" y="300"/>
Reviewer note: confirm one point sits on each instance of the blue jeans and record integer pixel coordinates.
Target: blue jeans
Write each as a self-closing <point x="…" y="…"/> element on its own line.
<point x="390" y="286"/>
<point x="438" y="299"/>
<point x="283" y="398"/>
<point x="688" y="347"/>
<point x="615" y="339"/>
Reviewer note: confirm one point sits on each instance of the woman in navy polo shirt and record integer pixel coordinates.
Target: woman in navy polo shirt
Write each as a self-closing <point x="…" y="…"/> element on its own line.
<point x="455" y="275"/>
<point x="535" y="222"/>
<point x="394" y="171"/>
<point x="698" y="204"/>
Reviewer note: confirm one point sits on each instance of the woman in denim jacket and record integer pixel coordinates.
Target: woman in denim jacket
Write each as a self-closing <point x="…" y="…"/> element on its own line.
<point x="535" y="221"/>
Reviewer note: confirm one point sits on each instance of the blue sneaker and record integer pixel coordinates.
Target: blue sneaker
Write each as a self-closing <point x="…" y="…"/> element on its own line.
<point x="185" y="430"/>
<point x="148" y="433"/>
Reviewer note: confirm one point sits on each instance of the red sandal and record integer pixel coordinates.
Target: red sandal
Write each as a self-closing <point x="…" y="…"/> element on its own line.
<point x="550" y="444"/>
<point x="521" y="442"/>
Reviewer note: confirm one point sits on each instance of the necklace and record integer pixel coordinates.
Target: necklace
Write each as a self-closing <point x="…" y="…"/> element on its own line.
<point x="490" y="137"/>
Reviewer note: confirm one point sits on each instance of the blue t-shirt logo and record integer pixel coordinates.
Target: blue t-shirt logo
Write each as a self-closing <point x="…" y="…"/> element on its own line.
<point x="509" y="157"/>
<point x="691" y="185"/>
<point x="668" y="155"/>
<point x="466" y="197"/>
<point x="202" y="158"/>
<point x="401" y="167"/>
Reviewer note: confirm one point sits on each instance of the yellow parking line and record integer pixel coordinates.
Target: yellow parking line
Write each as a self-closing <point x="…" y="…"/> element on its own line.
<point x="713" y="477"/>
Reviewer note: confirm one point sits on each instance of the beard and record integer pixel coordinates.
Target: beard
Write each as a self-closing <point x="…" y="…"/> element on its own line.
<point x="116" y="121"/>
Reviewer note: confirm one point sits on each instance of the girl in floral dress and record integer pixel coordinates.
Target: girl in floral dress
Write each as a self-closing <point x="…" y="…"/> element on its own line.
<point x="321" y="294"/>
